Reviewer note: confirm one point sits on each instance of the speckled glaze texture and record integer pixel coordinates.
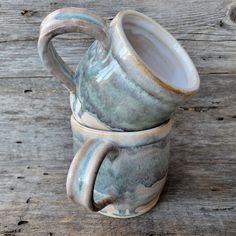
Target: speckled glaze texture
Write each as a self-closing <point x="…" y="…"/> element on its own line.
<point x="132" y="77"/>
<point x="128" y="169"/>
<point x="108" y="99"/>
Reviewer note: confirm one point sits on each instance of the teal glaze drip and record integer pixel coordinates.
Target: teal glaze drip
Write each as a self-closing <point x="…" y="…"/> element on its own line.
<point x="59" y="61"/>
<point x="123" y="175"/>
<point x="105" y="73"/>
<point x="97" y="58"/>
<point x="98" y="65"/>
<point x="78" y="16"/>
<point x="81" y="172"/>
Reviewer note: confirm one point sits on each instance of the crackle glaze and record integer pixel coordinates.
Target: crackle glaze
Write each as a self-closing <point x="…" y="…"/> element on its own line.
<point x="120" y="174"/>
<point x="131" y="78"/>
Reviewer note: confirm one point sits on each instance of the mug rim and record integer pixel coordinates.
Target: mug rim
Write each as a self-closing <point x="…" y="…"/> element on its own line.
<point x="124" y="138"/>
<point x="144" y="68"/>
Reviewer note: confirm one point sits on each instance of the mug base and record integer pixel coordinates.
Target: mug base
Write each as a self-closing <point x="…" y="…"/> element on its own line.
<point x="144" y="209"/>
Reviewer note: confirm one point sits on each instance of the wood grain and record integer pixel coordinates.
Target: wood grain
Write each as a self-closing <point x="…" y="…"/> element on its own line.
<point x="36" y="140"/>
<point x="203" y="29"/>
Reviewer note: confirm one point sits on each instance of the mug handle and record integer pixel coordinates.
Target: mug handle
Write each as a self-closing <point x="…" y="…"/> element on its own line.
<point x="68" y="20"/>
<point x="83" y="171"/>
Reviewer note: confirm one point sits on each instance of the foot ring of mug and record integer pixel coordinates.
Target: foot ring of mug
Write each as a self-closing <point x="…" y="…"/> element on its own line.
<point x="144" y="210"/>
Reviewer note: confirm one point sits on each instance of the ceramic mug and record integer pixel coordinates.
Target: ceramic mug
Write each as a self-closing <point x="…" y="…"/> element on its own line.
<point x="120" y="174"/>
<point x="131" y="78"/>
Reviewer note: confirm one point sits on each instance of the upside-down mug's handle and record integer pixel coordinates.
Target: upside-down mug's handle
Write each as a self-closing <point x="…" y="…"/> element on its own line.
<point x="83" y="172"/>
<point x="67" y="20"/>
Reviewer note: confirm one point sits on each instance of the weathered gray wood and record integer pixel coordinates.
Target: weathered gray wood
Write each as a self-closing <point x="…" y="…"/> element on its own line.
<point x="200" y="194"/>
<point x="203" y="29"/>
<point x="36" y="141"/>
<point x="202" y="18"/>
<point x="20" y="59"/>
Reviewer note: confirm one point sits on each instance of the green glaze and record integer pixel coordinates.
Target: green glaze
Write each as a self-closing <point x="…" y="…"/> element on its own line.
<point x="133" y="173"/>
<point x="106" y="92"/>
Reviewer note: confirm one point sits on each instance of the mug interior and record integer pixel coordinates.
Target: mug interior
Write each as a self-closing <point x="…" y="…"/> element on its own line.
<point x="160" y="52"/>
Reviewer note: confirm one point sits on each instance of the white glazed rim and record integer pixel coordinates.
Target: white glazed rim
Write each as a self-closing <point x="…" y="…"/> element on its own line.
<point x="132" y="138"/>
<point x="145" y="69"/>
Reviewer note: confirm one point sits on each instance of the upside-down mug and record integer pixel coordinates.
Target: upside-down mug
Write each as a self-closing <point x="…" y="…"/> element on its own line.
<point x="132" y="77"/>
<point x="120" y="174"/>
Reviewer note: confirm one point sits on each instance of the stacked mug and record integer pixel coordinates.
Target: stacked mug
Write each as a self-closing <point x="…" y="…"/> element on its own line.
<point x="123" y="94"/>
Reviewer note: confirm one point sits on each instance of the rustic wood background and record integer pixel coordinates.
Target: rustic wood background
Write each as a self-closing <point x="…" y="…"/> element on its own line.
<point x="36" y="140"/>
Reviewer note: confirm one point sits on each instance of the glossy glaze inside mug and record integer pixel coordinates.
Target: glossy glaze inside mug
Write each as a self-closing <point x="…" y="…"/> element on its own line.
<point x="156" y="53"/>
<point x="133" y="77"/>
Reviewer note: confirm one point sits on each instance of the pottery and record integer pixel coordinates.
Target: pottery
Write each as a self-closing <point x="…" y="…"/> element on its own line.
<point x="119" y="174"/>
<point x="133" y="77"/>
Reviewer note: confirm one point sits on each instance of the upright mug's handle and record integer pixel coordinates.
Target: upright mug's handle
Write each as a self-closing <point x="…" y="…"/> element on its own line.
<point x="67" y="20"/>
<point x="83" y="172"/>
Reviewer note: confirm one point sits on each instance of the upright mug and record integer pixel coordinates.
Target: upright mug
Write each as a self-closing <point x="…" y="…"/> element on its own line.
<point x="131" y="78"/>
<point x="120" y="174"/>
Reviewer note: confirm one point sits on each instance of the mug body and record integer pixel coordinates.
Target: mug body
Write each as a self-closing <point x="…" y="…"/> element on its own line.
<point x="138" y="83"/>
<point x="108" y="98"/>
<point x="134" y="174"/>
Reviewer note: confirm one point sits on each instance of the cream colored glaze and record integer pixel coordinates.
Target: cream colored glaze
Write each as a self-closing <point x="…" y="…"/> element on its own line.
<point x="141" y="193"/>
<point x="91" y="121"/>
<point x="124" y="139"/>
<point x="86" y="119"/>
<point x="145" y="209"/>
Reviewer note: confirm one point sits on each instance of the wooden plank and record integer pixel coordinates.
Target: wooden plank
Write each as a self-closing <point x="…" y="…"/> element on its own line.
<point x="204" y="30"/>
<point x="20" y="59"/>
<point x="36" y="150"/>
<point x="201" y="18"/>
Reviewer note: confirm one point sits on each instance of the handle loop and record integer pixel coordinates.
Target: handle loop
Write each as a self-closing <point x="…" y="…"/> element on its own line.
<point x="83" y="171"/>
<point x="68" y="20"/>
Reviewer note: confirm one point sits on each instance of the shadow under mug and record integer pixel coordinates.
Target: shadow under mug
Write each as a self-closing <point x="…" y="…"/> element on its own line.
<point x="119" y="174"/>
<point x="132" y="77"/>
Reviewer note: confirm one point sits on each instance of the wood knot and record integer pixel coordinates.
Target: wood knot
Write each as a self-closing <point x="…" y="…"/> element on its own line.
<point x="21" y="222"/>
<point x="232" y="13"/>
<point x="27" y="13"/>
<point x="221" y="23"/>
<point x="230" y="18"/>
<point x="220" y="118"/>
<point x="28" y="91"/>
